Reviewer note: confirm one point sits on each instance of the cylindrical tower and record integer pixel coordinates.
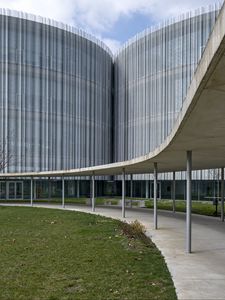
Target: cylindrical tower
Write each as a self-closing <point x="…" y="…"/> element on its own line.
<point x="55" y="95"/>
<point x="152" y="74"/>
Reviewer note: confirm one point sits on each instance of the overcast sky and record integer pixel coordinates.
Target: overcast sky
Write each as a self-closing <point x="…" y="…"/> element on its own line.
<point x="113" y="21"/>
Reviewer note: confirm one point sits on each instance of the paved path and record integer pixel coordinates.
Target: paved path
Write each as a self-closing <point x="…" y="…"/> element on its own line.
<point x="196" y="276"/>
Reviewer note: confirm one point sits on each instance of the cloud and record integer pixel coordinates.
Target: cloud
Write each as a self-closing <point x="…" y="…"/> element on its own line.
<point x="162" y="10"/>
<point x="113" y="44"/>
<point x="54" y="9"/>
<point x="99" y="16"/>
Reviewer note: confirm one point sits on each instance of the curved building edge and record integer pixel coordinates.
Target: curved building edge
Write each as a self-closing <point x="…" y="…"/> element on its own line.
<point x="60" y="25"/>
<point x="132" y="161"/>
<point x="55" y="96"/>
<point x="208" y="69"/>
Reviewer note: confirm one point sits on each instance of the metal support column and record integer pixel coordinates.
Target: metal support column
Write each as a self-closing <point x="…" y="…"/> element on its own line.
<point x="49" y="189"/>
<point x="63" y="192"/>
<point x="131" y="185"/>
<point x="34" y="189"/>
<point x="222" y="194"/>
<point x="5" y="189"/>
<point x="155" y="196"/>
<point x="93" y="193"/>
<point x="31" y="191"/>
<point x="199" y="187"/>
<point x="189" y="202"/>
<point x="146" y="189"/>
<point x="123" y="194"/>
<point x="174" y="191"/>
<point x="78" y="188"/>
<point x="131" y="189"/>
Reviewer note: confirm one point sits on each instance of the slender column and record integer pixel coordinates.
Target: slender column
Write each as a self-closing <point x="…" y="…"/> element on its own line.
<point x="49" y="189"/>
<point x="174" y="191"/>
<point x="222" y="194"/>
<point x="23" y="189"/>
<point x="155" y="196"/>
<point x="31" y="191"/>
<point x="146" y="189"/>
<point x="123" y="194"/>
<point x="5" y="189"/>
<point x="35" y="189"/>
<point x="63" y="192"/>
<point x="93" y="193"/>
<point x="189" y="202"/>
<point x="199" y="186"/>
<point x="198" y="182"/>
<point x="131" y="189"/>
<point x="151" y="189"/>
<point x="78" y="189"/>
<point x="131" y="185"/>
<point x="160" y="189"/>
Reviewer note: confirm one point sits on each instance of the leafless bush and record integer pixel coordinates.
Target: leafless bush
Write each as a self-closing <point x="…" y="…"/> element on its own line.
<point x="135" y="230"/>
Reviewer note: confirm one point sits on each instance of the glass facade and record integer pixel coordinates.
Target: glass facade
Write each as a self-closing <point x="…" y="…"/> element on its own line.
<point x="66" y="102"/>
<point x="152" y="75"/>
<point x="55" y="97"/>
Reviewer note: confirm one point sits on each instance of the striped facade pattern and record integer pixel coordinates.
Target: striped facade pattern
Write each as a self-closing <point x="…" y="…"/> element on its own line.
<point x="66" y="102"/>
<point x="152" y="74"/>
<point x="55" y="96"/>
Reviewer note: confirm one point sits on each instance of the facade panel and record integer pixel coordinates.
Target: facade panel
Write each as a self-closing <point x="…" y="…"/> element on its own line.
<point x="152" y="74"/>
<point x="55" y="96"/>
<point x="56" y="85"/>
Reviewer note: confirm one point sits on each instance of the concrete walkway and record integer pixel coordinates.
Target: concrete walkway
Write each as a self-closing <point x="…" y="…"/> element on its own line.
<point x="196" y="276"/>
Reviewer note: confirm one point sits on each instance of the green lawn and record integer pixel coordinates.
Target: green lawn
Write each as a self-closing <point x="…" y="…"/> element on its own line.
<point x="53" y="254"/>
<point x="198" y="207"/>
<point x="81" y="200"/>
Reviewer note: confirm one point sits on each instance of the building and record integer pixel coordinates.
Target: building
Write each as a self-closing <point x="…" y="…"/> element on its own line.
<point x="66" y="102"/>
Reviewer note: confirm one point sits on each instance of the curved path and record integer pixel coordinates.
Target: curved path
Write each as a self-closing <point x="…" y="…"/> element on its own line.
<point x="200" y="128"/>
<point x="199" y="276"/>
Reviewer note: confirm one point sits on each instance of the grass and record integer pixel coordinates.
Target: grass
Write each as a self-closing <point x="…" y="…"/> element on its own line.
<point x="81" y="200"/>
<point x="51" y="254"/>
<point x="198" y="207"/>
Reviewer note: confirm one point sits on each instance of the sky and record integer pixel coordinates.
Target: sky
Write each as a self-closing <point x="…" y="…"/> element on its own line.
<point x="112" y="21"/>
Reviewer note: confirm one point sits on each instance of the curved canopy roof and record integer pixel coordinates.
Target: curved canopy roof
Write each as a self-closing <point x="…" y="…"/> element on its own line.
<point x="200" y="126"/>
